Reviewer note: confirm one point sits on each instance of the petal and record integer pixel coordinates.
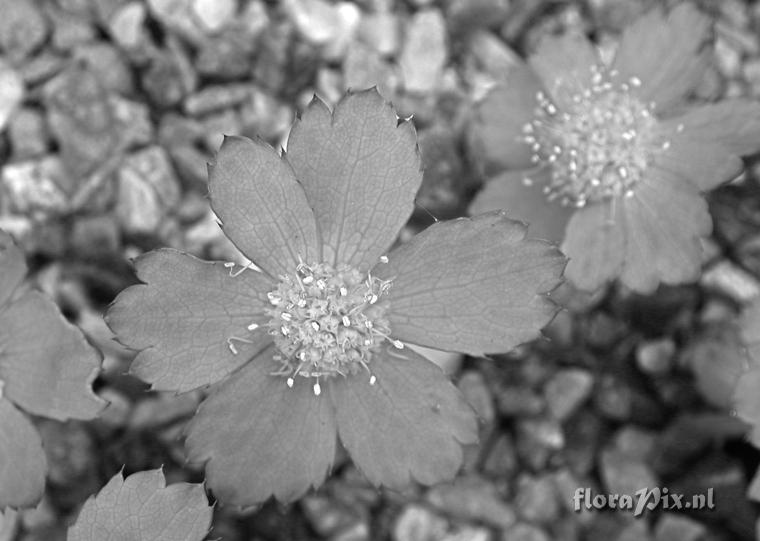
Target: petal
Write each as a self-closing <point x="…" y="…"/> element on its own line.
<point x="12" y="267"/>
<point x="262" y="207"/>
<point x="409" y="425"/>
<point x="361" y="170"/>
<point x="508" y="191"/>
<point x="565" y="66"/>
<point x="143" y="507"/>
<point x="664" y="54"/>
<point x="260" y="438"/>
<point x="664" y="220"/>
<point x="46" y="363"/>
<point x="495" y="133"/>
<point x="187" y="317"/>
<point x="594" y="242"/>
<point x="471" y="285"/>
<point x="706" y="143"/>
<point x="22" y="460"/>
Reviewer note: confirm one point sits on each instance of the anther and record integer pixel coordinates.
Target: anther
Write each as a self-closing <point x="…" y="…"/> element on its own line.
<point x="383" y="259"/>
<point x="317" y="389"/>
<point x="372" y="379"/>
<point x="253" y="326"/>
<point x="290" y="382"/>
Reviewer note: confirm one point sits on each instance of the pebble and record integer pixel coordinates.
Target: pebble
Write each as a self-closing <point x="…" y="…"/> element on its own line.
<point x="731" y="280"/>
<point x="133" y="121"/>
<point x="536" y="498"/>
<point x="266" y="116"/>
<point x="23" y="28"/>
<point x="11" y="92"/>
<point x="466" y="15"/>
<point x="537" y="440"/>
<point x="138" y="206"/>
<point x="322" y="23"/>
<point x="27" y="133"/>
<point x="655" y="357"/>
<point x="468" y="533"/>
<point x="672" y="526"/>
<point x="474" y="499"/>
<point x="170" y="76"/>
<point x="154" y="166"/>
<point x="614" y="398"/>
<point x="417" y="523"/>
<point x="381" y="31"/>
<point x="425" y="52"/>
<point x="501" y="460"/>
<point x="214" y="15"/>
<point x="478" y="396"/>
<point x="228" y="56"/>
<point x="525" y="532"/>
<point x="42" y="67"/>
<point x="717" y="360"/>
<point x="517" y="401"/>
<point x="191" y="165"/>
<point x="363" y="67"/>
<point x="623" y="475"/>
<point x="36" y="185"/>
<point x="492" y="55"/>
<point x="69" y="30"/>
<point x="567" y="391"/>
<point x="325" y="516"/>
<point x="637" y="443"/>
<point x="178" y="16"/>
<point x="127" y="25"/>
<point x="216" y="97"/>
<point x="582" y="434"/>
<point x="443" y="171"/>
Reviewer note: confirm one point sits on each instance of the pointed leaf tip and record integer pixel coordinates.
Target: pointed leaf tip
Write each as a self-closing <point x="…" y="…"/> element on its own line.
<point x="142" y="506"/>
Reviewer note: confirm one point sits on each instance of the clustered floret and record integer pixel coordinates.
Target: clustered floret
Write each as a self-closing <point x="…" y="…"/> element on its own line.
<point x="326" y="321"/>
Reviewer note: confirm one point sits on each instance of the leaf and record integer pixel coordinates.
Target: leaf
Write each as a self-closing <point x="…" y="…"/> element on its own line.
<point x="142" y="508"/>
<point x="409" y="426"/>
<point x="471" y="285"/>
<point x="12" y="267"/>
<point x="262" y="207"/>
<point x="260" y="438"/>
<point x="361" y="170"/>
<point x="183" y="315"/>
<point x="22" y="460"/>
<point x="46" y="363"/>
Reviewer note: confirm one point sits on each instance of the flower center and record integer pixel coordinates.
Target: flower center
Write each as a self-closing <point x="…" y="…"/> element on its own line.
<point x="327" y="321"/>
<point x="597" y="149"/>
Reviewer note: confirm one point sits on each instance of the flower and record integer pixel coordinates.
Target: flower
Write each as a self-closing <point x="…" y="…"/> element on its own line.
<point x="46" y="368"/>
<point x="311" y="349"/>
<point x="611" y="158"/>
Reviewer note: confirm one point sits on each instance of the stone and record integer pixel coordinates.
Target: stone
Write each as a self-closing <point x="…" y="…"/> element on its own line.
<point x="536" y="499"/>
<point x="329" y="84"/>
<point x="325" y="516"/>
<point x="69" y="30"/>
<point x="466" y="15"/>
<point x="473" y="499"/>
<point x="582" y="434"/>
<point x="537" y="440"/>
<point x="11" y="92"/>
<point x="519" y="401"/>
<point x="266" y="116"/>
<point x="218" y="125"/>
<point x="637" y="443"/>
<point x="271" y="65"/>
<point x="425" y="52"/>
<point x="138" y="207"/>
<point x="214" y="15"/>
<point x="95" y="236"/>
<point x="170" y="76"/>
<point x="614" y="398"/>
<point x="417" y="523"/>
<point x="523" y="531"/>
<point x="468" y="533"/>
<point x="381" y="31"/>
<point x="36" y="186"/>
<point x="501" y="460"/>
<point x="623" y="474"/>
<point x="191" y="165"/>
<point x="42" y="67"/>
<point x="27" y="133"/>
<point x="567" y="391"/>
<point x="216" y="97"/>
<point x="322" y="23"/>
<point x="442" y="183"/>
<point x="672" y="526"/>
<point x="655" y="357"/>
<point x="127" y="25"/>
<point x="179" y="17"/>
<point x="228" y="56"/>
<point x="108" y="64"/>
<point x="478" y="395"/>
<point x="731" y="280"/>
<point x="492" y="55"/>
<point x="133" y="120"/>
<point x="80" y="119"/>
<point x="23" y="28"/>
<point x="363" y="67"/>
<point x="153" y="165"/>
<point x="635" y="531"/>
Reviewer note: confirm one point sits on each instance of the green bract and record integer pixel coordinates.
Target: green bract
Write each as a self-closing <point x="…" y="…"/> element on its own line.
<point x="310" y="350"/>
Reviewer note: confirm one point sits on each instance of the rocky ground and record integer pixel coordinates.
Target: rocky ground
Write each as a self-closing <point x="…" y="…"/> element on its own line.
<point x="109" y="111"/>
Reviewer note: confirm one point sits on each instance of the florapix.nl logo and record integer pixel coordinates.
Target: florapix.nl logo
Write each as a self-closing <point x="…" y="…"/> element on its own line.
<point x="641" y="500"/>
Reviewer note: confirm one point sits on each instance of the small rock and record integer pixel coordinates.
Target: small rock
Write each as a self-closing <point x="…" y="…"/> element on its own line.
<point x="476" y="392"/>
<point x="381" y="31"/>
<point x="27" y="133"/>
<point x="228" y="56"/>
<point x="36" y="186"/>
<point x="178" y="15"/>
<point x="728" y="58"/>
<point x="95" y="236"/>
<point x="425" y="52"/>
<point x="11" y="92"/>
<point x="465" y="15"/>
<point x="214" y="98"/>
<point x="170" y="76"/>
<point x="329" y="85"/>
<point x="536" y="498"/>
<point x="442" y="183"/>
<point x="154" y="166"/>
<point x="525" y="532"/>
<point x="127" y="25"/>
<point x="358" y="531"/>
<point x="655" y="357"/>
<point x="323" y="23"/>
<point x="138" y="206"/>
<point x="516" y="401"/>
<point x="635" y="442"/>
<point x="69" y="450"/>
<point x="108" y="65"/>
<point x="623" y="474"/>
<point x="23" y="28"/>
<point x="582" y="434"/>
<point x="751" y="73"/>
<point x="264" y="115"/>
<point x="325" y="516"/>
<point x="492" y="55"/>
<point x="472" y="498"/>
<point x="69" y="30"/>
<point x="537" y="440"/>
<point x="271" y="68"/>
<point x="42" y="67"/>
<point x="502" y="458"/>
<point x="614" y="398"/>
<point x="363" y="67"/>
<point x="468" y="533"/>
<point x="567" y="390"/>
<point x="416" y="523"/>
<point x="133" y="120"/>
<point x="191" y="165"/>
<point x="732" y="281"/>
<point x="214" y="15"/>
<point x="635" y="531"/>
<point x="163" y="409"/>
<point x="672" y="526"/>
